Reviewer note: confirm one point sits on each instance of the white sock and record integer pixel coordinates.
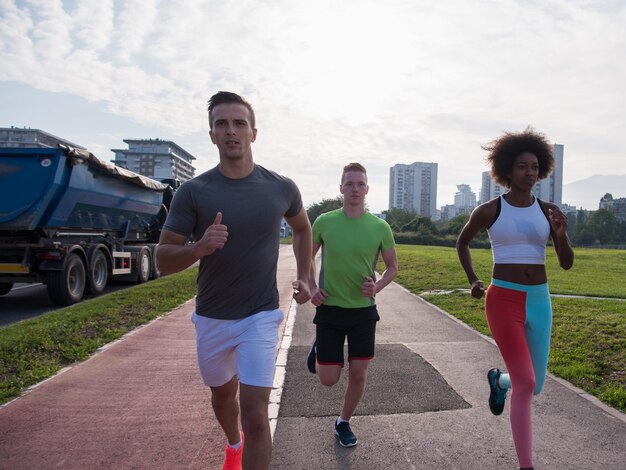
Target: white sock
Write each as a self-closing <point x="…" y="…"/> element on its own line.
<point x="341" y="420"/>
<point x="236" y="446"/>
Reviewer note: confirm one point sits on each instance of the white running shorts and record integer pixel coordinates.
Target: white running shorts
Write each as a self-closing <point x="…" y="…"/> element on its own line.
<point x="245" y="347"/>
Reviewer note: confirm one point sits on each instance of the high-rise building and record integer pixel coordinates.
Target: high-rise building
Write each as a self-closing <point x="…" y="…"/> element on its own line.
<point x="27" y="137"/>
<point x="549" y="189"/>
<point x="156" y="158"/>
<point x="465" y="197"/>
<point x="464" y="203"/>
<point x="414" y="187"/>
<point x="490" y="189"/>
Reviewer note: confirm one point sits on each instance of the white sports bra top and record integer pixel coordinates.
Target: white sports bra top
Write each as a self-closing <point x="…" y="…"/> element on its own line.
<point x="519" y="234"/>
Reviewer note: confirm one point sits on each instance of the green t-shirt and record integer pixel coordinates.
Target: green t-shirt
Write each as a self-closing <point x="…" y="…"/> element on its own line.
<point x="350" y="251"/>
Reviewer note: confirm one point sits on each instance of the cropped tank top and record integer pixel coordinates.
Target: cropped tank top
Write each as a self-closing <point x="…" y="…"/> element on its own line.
<point x="519" y="235"/>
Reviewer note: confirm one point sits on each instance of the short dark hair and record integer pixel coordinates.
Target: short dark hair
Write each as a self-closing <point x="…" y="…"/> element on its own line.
<point x="353" y="167"/>
<point x="222" y="97"/>
<point x="505" y="149"/>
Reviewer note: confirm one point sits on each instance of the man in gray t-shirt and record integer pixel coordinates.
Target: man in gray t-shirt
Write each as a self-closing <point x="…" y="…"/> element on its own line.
<point x="232" y="214"/>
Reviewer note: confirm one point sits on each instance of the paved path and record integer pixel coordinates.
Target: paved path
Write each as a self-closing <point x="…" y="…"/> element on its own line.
<point x="140" y="404"/>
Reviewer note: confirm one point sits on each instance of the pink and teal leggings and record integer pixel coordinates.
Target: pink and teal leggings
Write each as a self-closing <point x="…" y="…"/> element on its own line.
<point x="520" y="319"/>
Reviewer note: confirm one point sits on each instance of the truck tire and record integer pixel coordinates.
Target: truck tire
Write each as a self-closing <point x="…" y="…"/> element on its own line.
<point x="98" y="273"/>
<point x="144" y="265"/>
<point x="66" y="287"/>
<point x="5" y="287"/>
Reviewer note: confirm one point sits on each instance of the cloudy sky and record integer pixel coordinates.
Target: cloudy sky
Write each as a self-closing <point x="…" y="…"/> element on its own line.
<point x="332" y="81"/>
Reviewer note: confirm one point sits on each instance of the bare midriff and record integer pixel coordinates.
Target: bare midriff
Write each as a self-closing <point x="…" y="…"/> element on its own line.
<point x="527" y="274"/>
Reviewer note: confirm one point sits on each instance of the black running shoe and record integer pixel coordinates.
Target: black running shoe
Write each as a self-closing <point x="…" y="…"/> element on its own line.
<point x="497" y="396"/>
<point x="345" y="434"/>
<point x="312" y="357"/>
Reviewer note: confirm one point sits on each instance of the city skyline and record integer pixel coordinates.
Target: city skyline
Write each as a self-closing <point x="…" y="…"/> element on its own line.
<point x="331" y="83"/>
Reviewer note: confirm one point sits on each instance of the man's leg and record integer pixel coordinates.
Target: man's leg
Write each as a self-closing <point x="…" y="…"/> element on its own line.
<point x="226" y="409"/>
<point x="361" y="346"/>
<point x="328" y="374"/>
<point x="357" y="376"/>
<point x="256" y="362"/>
<point x="255" y="424"/>
<point x="329" y="340"/>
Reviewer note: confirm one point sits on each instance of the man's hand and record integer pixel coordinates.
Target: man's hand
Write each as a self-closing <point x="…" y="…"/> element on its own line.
<point x="369" y="287"/>
<point x="318" y="297"/>
<point x="301" y="292"/>
<point x="214" y="237"/>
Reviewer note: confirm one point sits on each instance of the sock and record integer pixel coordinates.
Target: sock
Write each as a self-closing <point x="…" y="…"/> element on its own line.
<point x="236" y="446"/>
<point x="341" y="420"/>
<point x="504" y="381"/>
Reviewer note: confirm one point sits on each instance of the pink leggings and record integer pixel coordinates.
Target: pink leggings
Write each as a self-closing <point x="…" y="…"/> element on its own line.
<point x="520" y="320"/>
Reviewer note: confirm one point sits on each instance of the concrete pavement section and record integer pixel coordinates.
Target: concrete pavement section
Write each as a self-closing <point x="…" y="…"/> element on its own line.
<point x="570" y="431"/>
<point x="140" y="404"/>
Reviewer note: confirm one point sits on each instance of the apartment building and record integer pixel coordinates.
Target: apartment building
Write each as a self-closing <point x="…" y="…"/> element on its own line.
<point x="156" y="158"/>
<point x="25" y="137"/>
<point x="414" y="187"/>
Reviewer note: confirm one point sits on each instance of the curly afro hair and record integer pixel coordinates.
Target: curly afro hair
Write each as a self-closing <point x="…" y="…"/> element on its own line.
<point x="505" y="149"/>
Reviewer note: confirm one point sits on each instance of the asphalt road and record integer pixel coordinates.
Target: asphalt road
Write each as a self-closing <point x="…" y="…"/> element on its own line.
<point x="31" y="300"/>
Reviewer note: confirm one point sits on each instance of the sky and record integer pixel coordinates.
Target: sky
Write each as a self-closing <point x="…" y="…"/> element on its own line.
<point x="331" y="81"/>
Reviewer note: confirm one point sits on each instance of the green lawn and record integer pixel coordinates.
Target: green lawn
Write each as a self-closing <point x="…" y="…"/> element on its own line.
<point x="589" y="335"/>
<point x="595" y="272"/>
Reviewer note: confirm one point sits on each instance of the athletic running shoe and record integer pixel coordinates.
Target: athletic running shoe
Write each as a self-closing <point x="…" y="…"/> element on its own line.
<point x="345" y="434"/>
<point x="497" y="396"/>
<point x="232" y="461"/>
<point x="312" y="357"/>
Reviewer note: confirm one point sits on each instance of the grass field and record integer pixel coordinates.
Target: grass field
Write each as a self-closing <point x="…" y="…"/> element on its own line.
<point x="589" y="334"/>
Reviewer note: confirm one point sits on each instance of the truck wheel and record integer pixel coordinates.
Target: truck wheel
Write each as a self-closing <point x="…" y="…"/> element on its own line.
<point x="66" y="287"/>
<point x="5" y="287"/>
<point x="144" y="266"/>
<point x="98" y="273"/>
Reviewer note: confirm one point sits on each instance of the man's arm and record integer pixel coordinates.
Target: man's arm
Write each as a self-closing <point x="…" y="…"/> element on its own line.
<point x="390" y="258"/>
<point x="174" y="254"/>
<point x="301" y="229"/>
<point x="318" y="296"/>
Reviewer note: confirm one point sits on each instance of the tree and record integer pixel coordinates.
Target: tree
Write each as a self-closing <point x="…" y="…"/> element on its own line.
<point x="604" y="226"/>
<point x="398" y="218"/>
<point x="454" y="226"/>
<point x="420" y="224"/>
<point x="326" y="205"/>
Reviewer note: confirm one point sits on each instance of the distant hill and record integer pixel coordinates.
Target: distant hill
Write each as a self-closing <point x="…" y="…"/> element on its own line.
<point x="587" y="193"/>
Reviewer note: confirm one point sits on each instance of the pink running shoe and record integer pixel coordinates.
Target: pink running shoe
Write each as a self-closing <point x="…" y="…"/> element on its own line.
<point x="232" y="461"/>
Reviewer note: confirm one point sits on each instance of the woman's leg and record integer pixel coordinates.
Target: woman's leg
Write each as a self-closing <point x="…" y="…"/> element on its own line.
<point x="506" y="315"/>
<point x="538" y="330"/>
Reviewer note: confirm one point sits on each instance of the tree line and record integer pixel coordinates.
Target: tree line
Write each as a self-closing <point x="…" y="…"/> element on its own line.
<point x="587" y="228"/>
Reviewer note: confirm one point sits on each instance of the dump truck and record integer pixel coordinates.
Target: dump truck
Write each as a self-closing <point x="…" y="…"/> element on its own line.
<point x="73" y="222"/>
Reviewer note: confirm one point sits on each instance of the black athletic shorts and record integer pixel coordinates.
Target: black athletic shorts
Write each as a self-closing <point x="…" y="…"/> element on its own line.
<point x="334" y="324"/>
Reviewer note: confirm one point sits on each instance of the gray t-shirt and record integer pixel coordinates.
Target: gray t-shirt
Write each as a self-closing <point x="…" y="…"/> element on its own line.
<point x="240" y="279"/>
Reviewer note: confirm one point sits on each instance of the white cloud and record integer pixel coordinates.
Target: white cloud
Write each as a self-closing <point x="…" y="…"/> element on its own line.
<point x="380" y="83"/>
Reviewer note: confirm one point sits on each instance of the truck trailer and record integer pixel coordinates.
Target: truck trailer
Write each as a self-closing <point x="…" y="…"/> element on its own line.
<point x="73" y="222"/>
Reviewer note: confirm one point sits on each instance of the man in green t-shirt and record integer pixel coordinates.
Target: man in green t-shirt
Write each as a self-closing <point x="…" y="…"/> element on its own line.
<point x="351" y="240"/>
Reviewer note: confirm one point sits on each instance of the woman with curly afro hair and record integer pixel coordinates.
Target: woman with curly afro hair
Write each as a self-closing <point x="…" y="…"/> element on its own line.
<point x="517" y="302"/>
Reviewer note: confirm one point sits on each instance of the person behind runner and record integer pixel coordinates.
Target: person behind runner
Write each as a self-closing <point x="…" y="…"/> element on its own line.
<point x="351" y="239"/>
<point x="517" y="304"/>
<point x="233" y="214"/>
